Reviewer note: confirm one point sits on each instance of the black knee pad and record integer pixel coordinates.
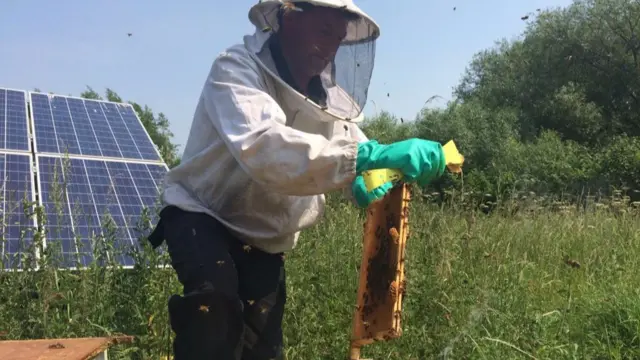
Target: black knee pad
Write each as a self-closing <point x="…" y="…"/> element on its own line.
<point x="208" y="325"/>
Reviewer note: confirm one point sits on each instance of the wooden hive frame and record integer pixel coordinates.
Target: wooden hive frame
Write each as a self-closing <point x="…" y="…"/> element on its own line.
<point x="382" y="282"/>
<point x="91" y="348"/>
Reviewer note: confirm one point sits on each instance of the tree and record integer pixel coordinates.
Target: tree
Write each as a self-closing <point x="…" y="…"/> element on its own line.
<point x="554" y="111"/>
<point x="576" y="71"/>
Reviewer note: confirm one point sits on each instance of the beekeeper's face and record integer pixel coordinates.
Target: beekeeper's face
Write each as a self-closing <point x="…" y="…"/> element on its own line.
<point x="310" y="38"/>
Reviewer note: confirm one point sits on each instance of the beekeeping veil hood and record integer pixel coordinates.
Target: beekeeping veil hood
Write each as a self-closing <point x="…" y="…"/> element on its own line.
<point x="346" y="79"/>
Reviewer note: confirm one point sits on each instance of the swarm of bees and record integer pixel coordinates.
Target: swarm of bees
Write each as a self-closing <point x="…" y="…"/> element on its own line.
<point x="382" y="283"/>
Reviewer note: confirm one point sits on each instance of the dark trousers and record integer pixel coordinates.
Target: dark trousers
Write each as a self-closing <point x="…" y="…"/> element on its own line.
<point x="248" y="282"/>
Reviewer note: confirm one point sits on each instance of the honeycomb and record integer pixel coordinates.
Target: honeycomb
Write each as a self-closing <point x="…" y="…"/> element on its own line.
<point x="382" y="282"/>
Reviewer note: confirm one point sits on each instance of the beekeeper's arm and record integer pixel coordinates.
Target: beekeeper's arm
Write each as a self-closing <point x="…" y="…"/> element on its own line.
<point x="360" y="136"/>
<point x="252" y="124"/>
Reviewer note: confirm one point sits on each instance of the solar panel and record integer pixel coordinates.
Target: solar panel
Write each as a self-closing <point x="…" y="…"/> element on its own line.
<point x="75" y="126"/>
<point x="97" y="169"/>
<point x="96" y="195"/>
<point x="14" y="133"/>
<point x="16" y="197"/>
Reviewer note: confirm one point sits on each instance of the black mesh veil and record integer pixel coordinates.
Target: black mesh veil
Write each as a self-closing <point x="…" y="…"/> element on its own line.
<point x="346" y="80"/>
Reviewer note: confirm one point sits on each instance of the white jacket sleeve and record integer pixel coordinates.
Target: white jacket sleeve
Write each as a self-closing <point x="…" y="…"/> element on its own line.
<point x="252" y="125"/>
<point x="359" y="135"/>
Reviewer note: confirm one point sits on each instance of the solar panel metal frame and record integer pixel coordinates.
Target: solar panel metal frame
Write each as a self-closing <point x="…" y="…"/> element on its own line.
<point x="27" y="112"/>
<point x="35" y="137"/>
<point x="34" y="220"/>
<point x="27" y="153"/>
<point x="82" y="157"/>
<point x="34" y="163"/>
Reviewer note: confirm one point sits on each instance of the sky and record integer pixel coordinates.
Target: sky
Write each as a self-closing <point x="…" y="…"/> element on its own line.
<point x="65" y="46"/>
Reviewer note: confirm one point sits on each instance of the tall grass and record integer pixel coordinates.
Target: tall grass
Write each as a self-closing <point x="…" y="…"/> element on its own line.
<point x="529" y="280"/>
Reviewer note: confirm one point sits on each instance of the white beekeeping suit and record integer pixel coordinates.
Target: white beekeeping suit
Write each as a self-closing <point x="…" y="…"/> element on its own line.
<point x="260" y="156"/>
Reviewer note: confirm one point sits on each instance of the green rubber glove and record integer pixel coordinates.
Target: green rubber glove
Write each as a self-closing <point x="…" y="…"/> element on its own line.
<point x="363" y="197"/>
<point x="419" y="160"/>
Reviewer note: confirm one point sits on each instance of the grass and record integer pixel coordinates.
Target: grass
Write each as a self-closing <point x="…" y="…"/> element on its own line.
<point x="496" y="286"/>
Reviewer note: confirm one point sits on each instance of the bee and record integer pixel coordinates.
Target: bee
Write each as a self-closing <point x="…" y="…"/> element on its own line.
<point x="246" y="248"/>
<point x="393" y="291"/>
<point x="403" y="287"/>
<point x="204" y="308"/>
<point x="220" y="262"/>
<point x="574" y="264"/>
<point x="288" y="6"/>
<point x="395" y="236"/>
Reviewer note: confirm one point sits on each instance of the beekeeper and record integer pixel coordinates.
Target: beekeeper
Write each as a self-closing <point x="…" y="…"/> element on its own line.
<point x="274" y="130"/>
